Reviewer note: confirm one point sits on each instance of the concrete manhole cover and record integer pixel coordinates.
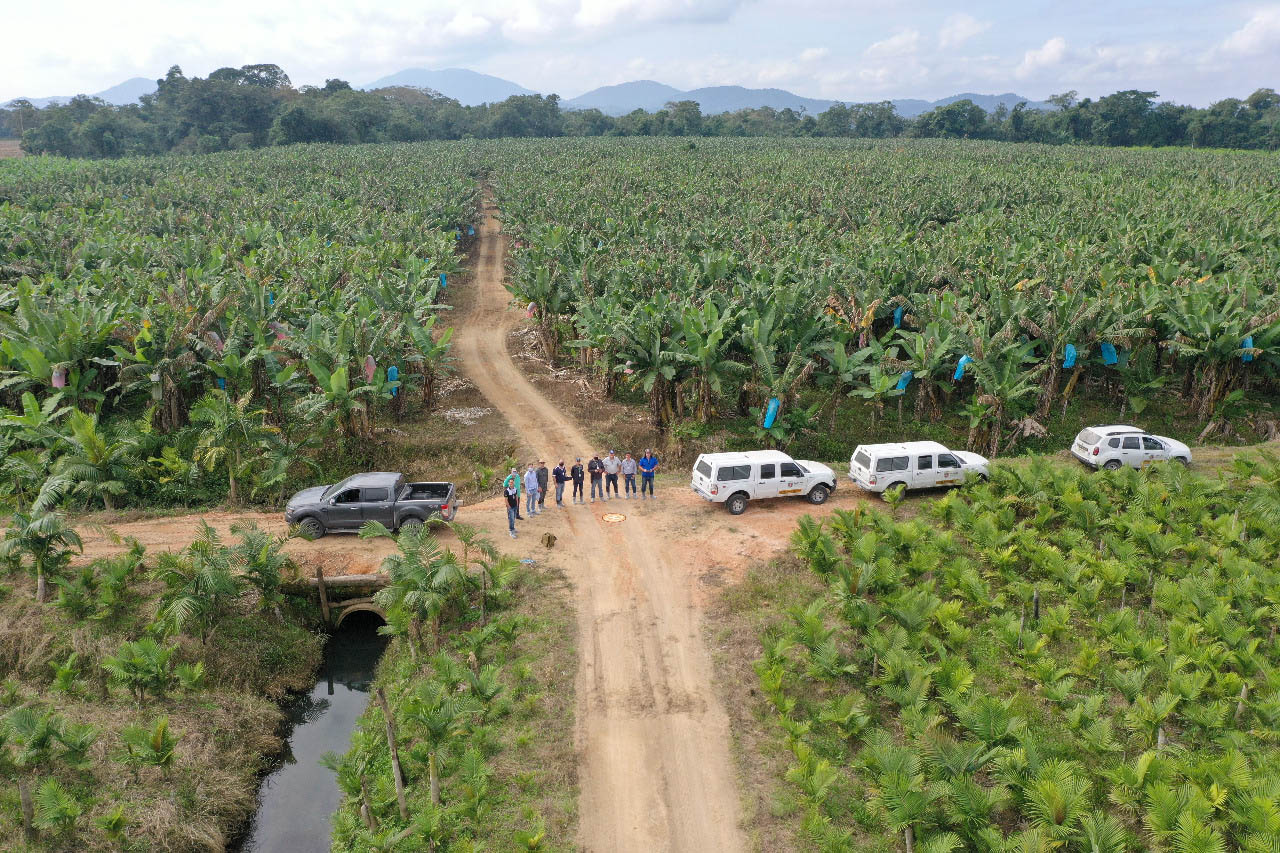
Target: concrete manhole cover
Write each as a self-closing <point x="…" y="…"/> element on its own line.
<point x="613" y="517"/>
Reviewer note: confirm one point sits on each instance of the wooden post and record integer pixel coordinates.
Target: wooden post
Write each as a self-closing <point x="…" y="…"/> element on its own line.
<point x="395" y="753"/>
<point x="1035" y="604"/>
<point x="324" y="595"/>
<point x="28" y="827"/>
<point x="1244" y="696"/>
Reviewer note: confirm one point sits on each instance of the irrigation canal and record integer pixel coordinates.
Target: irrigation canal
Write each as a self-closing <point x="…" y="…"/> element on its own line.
<point x="298" y="797"/>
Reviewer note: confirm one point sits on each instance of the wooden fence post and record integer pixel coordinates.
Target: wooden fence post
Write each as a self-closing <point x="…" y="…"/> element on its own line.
<point x="324" y="595"/>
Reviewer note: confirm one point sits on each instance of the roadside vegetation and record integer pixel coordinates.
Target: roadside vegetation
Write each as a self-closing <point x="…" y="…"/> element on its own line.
<point x="960" y="288"/>
<point x="138" y="703"/>
<point x="1052" y="660"/>
<point x="468" y="743"/>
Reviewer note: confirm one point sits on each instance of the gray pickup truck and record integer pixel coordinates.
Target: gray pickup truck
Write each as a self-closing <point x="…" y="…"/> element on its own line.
<point x="380" y="496"/>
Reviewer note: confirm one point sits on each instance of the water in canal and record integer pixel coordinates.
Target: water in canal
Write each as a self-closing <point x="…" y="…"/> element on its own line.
<point x="298" y="796"/>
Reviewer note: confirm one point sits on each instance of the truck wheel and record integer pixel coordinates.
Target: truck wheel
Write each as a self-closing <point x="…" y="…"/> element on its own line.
<point x="1112" y="464"/>
<point x="737" y="504"/>
<point x="311" y="528"/>
<point x="818" y="494"/>
<point x="890" y="488"/>
<point x="413" y="525"/>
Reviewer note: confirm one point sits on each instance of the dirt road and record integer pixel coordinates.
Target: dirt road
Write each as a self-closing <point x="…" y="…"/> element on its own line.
<point x="652" y="740"/>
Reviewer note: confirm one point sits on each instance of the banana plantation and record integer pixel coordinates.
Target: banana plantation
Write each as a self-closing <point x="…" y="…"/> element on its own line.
<point x="994" y="280"/>
<point x="1050" y="661"/>
<point x="177" y="331"/>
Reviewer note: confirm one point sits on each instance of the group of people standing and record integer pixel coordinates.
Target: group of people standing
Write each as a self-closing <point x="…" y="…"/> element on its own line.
<point x="603" y="474"/>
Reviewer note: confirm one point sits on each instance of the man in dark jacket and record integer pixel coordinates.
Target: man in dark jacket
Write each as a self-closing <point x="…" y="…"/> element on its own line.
<point x="544" y="476"/>
<point x="596" y="469"/>
<point x="560" y="475"/>
<point x="578" y="473"/>
<point x="512" y="494"/>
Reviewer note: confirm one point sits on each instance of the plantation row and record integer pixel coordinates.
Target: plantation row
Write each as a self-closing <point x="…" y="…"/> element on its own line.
<point x="811" y="271"/>
<point x="176" y="330"/>
<point x="1052" y="660"/>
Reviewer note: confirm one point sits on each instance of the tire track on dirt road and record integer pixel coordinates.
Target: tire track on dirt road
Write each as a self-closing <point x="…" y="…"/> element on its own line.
<point x="652" y="739"/>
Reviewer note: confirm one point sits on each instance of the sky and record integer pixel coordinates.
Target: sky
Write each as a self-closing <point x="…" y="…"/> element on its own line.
<point x="857" y="50"/>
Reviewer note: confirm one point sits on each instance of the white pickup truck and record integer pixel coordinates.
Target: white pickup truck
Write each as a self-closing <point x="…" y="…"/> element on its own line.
<point x="733" y="479"/>
<point x="913" y="464"/>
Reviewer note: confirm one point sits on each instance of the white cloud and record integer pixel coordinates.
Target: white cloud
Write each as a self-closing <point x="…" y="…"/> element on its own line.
<point x="813" y="54"/>
<point x="467" y="25"/>
<point x="959" y="28"/>
<point x="1261" y="35"/>
<point x="1049" y="54"/>
<point x="904" y="43"/>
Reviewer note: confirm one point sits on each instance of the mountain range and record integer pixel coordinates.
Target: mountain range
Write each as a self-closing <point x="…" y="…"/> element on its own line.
<point x="127" y="92"/>
<point x="472" y="88"/>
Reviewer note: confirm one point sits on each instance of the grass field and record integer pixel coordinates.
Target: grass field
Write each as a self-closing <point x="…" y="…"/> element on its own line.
<point x="10" y="148"/>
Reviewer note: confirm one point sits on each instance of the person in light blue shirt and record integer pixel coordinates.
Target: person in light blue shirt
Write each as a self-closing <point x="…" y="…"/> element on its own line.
<point x="531" y="490"/>
<point x="648" y="467"/>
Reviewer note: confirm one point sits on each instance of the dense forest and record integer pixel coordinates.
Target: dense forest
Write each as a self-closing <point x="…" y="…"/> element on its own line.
<point x="257" y="105"/>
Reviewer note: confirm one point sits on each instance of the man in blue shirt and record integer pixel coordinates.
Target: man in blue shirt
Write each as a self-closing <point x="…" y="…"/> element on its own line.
<point x="648" y="466"/>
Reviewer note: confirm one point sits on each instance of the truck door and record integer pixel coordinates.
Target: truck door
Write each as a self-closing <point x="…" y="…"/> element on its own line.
<point x="1131" y="451"/>
<point x="950" y="471"/>
<point x="767" y="481"/>
<point x="791" y="480"/>
<point x="1152" y="451"/>
<point x="343" y="510"/>
<point x="376" y="505"/>
<point x="925" y="475"/>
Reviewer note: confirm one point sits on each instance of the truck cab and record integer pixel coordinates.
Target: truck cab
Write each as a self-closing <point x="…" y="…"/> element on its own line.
<point x="734" y="479"/>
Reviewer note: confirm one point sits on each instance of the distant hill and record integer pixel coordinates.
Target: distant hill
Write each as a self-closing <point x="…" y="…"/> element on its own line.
<point x="912" y="107"/>
<point x="466" y="87"/>
<point x="128" y="92"/>
<point x="650" y="96"/>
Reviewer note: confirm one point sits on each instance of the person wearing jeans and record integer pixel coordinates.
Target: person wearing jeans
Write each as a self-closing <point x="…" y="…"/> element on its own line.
<point x="648" y="466"/>
<point x="596" y="469"/>
<point x="561" y="476"/>
<point x="578" y="473"/>
<point x="513" y="506"/>
<point x="612" y="465"/>
<point x="513" y="480"/>
<point x="628" y="476"/>
<point x="531" y="490"/>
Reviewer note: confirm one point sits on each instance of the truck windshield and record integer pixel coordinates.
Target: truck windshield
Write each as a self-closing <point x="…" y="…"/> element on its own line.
<point x="334" y="489"/>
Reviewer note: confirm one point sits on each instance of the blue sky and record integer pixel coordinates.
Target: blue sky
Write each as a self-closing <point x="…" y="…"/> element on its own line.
<point x="1191" y="52"/>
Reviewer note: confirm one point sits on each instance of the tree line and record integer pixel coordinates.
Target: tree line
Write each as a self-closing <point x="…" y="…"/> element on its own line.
<point x="257" y="105"/>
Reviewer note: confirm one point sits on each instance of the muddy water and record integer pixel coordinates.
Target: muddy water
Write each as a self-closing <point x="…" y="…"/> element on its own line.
<point x="298" y="797"/>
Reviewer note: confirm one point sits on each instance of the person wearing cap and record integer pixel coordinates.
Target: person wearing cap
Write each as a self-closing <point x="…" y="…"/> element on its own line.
<point x="544" y="477"/>
<point x="628" y="476"/>
<point x="560" y="475"/>
<point x="513" y="479"/>
<point x="596" y="469"/>
<point x="531" y="490"/>
<point x="648" y="466"/>
<point x="577" y="473"/>
<point x="612" y="465"/>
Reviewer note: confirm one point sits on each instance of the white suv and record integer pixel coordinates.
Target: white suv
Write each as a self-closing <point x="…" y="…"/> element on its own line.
<point x="1113" y="446"/>
<point x="914" y="464"/>
<point x="733" y="479"/>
